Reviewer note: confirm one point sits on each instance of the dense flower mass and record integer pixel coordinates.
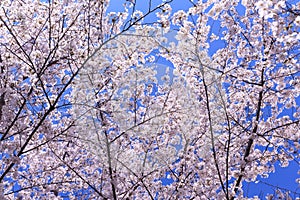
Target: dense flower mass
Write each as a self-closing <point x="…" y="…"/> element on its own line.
<point x="149" y="102"/>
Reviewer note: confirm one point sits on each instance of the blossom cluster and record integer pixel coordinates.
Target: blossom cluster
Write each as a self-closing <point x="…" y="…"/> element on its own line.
<point x="107" y="105"/>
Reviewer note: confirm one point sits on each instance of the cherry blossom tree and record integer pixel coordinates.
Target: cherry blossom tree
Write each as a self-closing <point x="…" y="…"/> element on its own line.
<point x="88" y="110"/>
